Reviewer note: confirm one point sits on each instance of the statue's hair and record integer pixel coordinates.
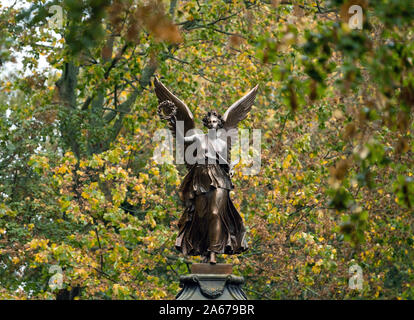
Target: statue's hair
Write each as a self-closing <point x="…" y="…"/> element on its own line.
<point x="208" y="115"/>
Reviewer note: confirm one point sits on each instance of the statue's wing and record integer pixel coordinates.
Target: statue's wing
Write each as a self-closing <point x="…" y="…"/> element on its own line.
<point x="182" y="112"/>
<point x="235" y="113"/>
<point x="239" y="110"/>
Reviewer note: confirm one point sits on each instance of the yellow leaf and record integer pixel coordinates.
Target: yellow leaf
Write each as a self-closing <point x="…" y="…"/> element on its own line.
<point x="286" y="162"/>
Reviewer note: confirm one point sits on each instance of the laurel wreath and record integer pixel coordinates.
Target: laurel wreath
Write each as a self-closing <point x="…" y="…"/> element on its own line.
<point x="167" y="110"/>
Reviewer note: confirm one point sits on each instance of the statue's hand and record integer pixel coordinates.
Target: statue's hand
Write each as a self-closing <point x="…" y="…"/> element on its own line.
<point x="173" y="119"/>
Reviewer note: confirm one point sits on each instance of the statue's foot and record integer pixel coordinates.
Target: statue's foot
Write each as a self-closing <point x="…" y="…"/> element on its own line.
<point x="205" y="259"/>
<point x="213" y="258"/>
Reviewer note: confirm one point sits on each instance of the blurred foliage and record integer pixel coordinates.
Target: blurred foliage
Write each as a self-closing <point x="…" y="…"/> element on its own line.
<point x="79" y="188"/>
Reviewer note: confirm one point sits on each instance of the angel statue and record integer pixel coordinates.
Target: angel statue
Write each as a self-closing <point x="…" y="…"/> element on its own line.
<point x="210" y="224"/>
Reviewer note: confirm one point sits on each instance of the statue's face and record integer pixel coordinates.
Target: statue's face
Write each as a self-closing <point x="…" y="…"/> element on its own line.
<point x="213" y="122"/>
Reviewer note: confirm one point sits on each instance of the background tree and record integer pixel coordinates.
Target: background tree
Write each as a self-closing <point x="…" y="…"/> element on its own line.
<point x="79" y="188"/>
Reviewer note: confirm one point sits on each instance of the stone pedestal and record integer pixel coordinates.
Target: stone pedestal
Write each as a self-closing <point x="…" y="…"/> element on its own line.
<point x="211" y="282"/>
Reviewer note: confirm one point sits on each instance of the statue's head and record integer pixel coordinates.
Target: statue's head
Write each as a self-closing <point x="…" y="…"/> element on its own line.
<point x="213" y="120"/>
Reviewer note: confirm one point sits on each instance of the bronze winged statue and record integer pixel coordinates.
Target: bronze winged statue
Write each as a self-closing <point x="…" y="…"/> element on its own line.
<point x="210" y="224"/>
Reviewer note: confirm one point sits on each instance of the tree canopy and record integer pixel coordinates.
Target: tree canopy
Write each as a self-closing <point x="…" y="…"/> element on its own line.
<point x="80" y="190"/>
